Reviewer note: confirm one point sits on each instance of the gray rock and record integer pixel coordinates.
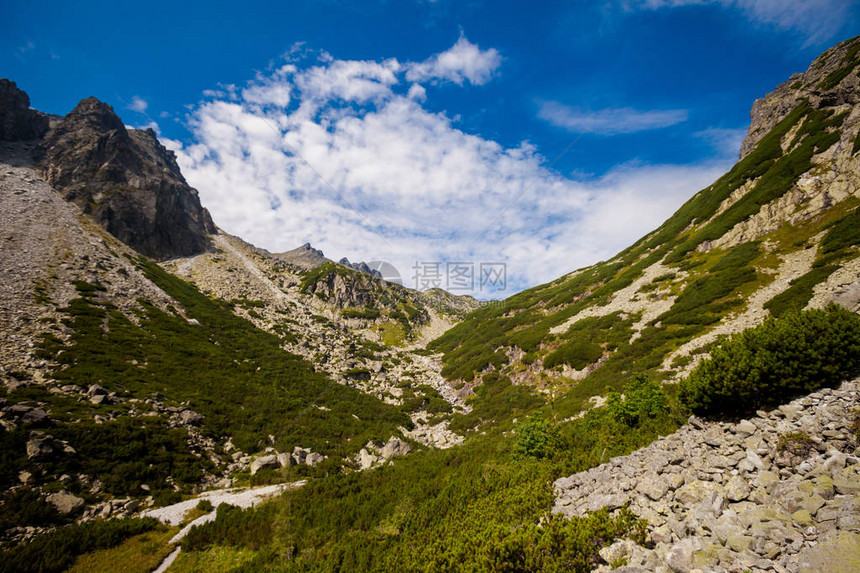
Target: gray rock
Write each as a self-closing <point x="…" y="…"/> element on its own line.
<point x="679" y="558"/>
<point x="190" y="417"/>
<point x="395" y="447"/>
<point x="314" y="458"/>
<point x="264" y="462"/>
<point x="839" y="555"/>
<point x="65" y="502"/>
<point x="17" y="121"/>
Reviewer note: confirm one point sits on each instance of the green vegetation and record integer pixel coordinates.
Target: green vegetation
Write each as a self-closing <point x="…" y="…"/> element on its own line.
<point x="772" y="363"/>
<point x="237" y="376"/>
<point x="483" y="506"/>
<point x="365" y="313"/>
<point x="138" y="554"/>
<point x="706" y="299"/>
<point x="839" y="243"/>
<point x="575" y="353"/>
<point x="58" y="550"/>
<point x="795" y="443"/>
<point x="643" y="399"/>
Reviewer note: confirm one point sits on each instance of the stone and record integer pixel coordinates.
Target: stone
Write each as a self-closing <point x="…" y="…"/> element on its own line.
<point x="190" y="418"/>
<point x="802" y="517"/>
<point x="754" y="459"/>
<point x="395" y="447"/>
<point x="737" y="489"/>
<point x="40" y="447"/>
<point x="314" y="458"/>
<point x="745" y="428"/>
<point x="262" y="462"/>
<point x="679" y="558"/>
<point x="65" y="502"/>
<point x="655" y="488"/>
<point x="838" y="555"/>
<point x="285" y="460"/>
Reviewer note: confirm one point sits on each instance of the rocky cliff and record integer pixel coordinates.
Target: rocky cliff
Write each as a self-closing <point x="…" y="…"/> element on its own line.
<point x="830" y="81"/>
<point x="17" y="121"/>
<point x="126" y="180"/>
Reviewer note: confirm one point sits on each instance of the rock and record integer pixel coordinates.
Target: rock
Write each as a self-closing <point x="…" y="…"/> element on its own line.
<point x="365" y="459"/>
<point x="802" y="518"/>
<point x="126" y="180"/>
<point x="65" y="502"/>
<point x="754" y="459"/>
<point x="40" y="447"/>
<point x="25" y="477"/>
<point x="264" y="462"/>
<point x="839" y="555"/>
<point x="17" y="121"/>
<point x="737" y="489"/>
<point x="96" y="390"/>
<point x="314" y="458"/>
<point x="745" y="428"/>
<point x="285" y="460"/>
<point x="395" y="447"/>
<point x="35" y="416"/>
<point x="679" y="558"/>
<point x="655" y="488"/>
<point x="190" y="418"/>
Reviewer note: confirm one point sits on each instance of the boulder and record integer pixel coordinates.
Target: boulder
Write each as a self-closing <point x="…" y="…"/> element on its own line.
<point x="838" y="555"/>
<point x="190" y="417"/>
<point x="395" y="447"/>
<point x="264" y="462"/>
<point x="314" y="458"/>
<point x="65" y="502"/>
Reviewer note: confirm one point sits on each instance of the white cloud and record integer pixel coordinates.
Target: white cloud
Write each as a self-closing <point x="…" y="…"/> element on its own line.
<point x="138" y="104"/>
<point x="818" y="20"/>
<point x="386" y="179"/>
<point x="609" y="121"/>
<point x="725" y="141"/>
<point x="462" y="61"/>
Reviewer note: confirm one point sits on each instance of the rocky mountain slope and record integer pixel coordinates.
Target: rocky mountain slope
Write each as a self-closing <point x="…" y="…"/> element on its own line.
<point x="778" y="492"/>
<point x="125" y="387"/>
<point x="778" y="231"/>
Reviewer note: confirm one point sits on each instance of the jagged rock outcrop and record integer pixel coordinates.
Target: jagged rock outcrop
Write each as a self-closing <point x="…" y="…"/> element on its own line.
<point x="305" y="257"/>
<point x="764" y="494"/>
<point x="17" y="121"/>
<point x="361" y="267"/>
<point x="830" y="81"/>
<point x="126" y="180"/>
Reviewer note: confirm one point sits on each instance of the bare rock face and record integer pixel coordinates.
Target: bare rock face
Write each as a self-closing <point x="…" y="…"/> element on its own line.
<point x="17" y="121"/>
<point x="831" y="81"/>
<point x="126" y="180"/>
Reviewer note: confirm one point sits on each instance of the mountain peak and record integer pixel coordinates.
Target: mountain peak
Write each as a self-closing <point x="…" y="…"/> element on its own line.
<point x="126" y="180"/>
<point x="830" y="81"/>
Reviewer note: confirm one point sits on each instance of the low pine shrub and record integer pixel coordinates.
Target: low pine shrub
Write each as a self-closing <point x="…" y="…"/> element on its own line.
<point x="770" y="364"/>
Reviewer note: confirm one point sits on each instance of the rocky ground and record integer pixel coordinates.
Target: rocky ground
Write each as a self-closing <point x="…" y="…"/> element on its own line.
<point x="777" y="492"/>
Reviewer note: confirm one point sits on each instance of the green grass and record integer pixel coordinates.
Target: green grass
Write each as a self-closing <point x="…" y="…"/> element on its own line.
<point x="472" y="508"/>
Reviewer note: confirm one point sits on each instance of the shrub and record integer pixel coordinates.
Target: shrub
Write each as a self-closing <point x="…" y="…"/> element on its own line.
<point x="537" y="438"/>
<point x="577" y="354"/>
<point x="767" y="365"/>
<point x="57" y="551"/>
<point x="643" y="398"/>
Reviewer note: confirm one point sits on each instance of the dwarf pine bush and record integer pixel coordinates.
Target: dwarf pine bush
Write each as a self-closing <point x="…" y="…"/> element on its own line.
<point x="771" y="363"/>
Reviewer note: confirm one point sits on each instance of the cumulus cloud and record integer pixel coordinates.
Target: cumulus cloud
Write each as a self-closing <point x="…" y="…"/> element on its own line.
<point x="818" y="20"/>
<point x="463" y="61"/>
<point x="353" y="163"/>
<point x="138" y="104"/>
<point x="611" y="121"/>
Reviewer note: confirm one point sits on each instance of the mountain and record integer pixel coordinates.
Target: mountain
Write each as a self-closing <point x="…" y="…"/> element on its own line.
<point x="126" y="180"/>
<point x="147" y="356"/>
<point x="778" y="231"/>
<point x="121" y="381"/>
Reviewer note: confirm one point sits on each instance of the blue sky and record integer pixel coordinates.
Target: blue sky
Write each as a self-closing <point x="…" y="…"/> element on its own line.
<point x="543" y="135"/>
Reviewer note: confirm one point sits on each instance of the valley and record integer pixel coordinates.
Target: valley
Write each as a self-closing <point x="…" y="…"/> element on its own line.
<point x="690" y="404"/>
